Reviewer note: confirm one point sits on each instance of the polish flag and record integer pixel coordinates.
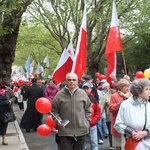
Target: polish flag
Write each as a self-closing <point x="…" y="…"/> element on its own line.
<point x="79" y="64"/>
<point x="64" y="65"/>
<point x="113" y="44"/>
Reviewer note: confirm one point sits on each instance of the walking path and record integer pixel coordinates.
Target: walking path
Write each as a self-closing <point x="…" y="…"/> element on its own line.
<point x="14" y="137"/>
<point x="16" y="140"/>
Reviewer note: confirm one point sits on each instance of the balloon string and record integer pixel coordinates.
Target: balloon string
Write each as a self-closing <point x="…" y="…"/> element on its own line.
<point x="50" y="113"/>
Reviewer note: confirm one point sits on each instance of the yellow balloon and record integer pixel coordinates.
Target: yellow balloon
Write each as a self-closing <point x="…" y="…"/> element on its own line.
<point x="147" y="73"/>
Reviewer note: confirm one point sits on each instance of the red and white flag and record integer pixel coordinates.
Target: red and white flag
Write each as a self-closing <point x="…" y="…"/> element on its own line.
<point x="64" y="65"/>
<point x="79" y="64"/>
<point x="113" y="44"/>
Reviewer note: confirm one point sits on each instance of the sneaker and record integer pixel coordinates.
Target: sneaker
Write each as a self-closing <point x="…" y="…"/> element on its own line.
<point x="111" y="148"/>
<point x="101" y="142"/>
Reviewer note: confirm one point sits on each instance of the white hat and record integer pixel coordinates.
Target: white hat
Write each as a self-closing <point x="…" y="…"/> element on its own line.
<point x="103" y="81"/>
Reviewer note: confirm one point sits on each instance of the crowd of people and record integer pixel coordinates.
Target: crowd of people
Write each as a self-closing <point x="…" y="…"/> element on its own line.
<point x="118" y="111"/>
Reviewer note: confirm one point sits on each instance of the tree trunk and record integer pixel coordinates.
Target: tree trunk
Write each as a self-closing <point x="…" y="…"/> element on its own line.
<point x="9" y="29"/>
<point x="7" y="55"/>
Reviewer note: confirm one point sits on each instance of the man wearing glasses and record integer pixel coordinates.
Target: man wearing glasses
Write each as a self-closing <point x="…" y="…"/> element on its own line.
<point x="71" y="108"/>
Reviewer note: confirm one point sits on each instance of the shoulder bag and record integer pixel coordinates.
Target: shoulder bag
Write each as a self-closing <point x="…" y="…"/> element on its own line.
<point x="9" y="115"/>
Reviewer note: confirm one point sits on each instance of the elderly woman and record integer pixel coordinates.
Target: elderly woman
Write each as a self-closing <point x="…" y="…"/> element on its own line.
<point x="133" y="119"/>
<point x="6" y="98"/>
<point x="116" y="99"/>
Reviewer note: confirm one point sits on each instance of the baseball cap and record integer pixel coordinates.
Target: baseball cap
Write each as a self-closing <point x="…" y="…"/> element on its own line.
<point x="87" y="84"/>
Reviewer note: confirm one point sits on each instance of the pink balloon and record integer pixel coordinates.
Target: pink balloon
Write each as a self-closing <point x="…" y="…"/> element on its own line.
<point x="44" y="130"/>
<point x="50" y="122"/>
<point x="43" y="105"/>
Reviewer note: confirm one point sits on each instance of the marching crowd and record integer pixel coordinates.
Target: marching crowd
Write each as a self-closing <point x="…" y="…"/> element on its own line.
<point x="119" y="111"/>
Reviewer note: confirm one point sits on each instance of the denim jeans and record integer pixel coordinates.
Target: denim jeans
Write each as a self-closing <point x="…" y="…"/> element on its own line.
<point x="93" y="138"/>
<point x="102" y="127"/>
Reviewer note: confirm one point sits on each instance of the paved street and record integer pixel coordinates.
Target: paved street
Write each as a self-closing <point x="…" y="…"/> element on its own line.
<point x="36" y="142"/>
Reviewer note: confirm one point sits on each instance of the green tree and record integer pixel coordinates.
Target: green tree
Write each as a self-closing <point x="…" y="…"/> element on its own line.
<point x="37" y="44"/>
<point x="10" y="19"/>
<point x="63" y="19"/>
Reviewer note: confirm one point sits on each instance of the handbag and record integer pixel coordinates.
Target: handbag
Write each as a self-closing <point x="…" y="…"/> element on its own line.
<point x="131" y="144"/>
<point x="9" y="115"/>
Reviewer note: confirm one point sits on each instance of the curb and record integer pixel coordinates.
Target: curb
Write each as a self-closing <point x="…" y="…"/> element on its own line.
<point x="23" y="143"/>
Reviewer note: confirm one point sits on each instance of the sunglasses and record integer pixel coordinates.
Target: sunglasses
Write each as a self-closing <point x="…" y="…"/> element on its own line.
<point x="71" y="80"/>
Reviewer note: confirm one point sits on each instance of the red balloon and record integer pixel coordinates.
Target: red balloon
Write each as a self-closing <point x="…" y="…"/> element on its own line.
<point x="97" y="74"/>
<point x="35" y="75"/>
<point x="21" y="83"/>
<point x="50" y="122"/>
<point x="101" y="77"/>
<point x="15" y="83"/>
<point x="29" y="83"/>
<point x="15" y="89"/>
<point x="139" y="74"/>
<point x="44" y="130"/>
<point x="43" y="105"/>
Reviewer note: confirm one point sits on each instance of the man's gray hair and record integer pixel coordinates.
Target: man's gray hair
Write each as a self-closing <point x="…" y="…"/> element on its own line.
<point x="138" y="85"/>
<point x="71" y="73"/>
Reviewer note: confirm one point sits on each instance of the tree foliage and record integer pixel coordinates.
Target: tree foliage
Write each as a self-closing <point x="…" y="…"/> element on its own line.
<point x="63" y="19"/>
<point x="10" y="18"/>
<point x="37" y="44"/>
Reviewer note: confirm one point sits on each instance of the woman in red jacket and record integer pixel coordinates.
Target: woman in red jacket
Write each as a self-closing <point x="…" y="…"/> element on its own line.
<point x="115" y="101"/>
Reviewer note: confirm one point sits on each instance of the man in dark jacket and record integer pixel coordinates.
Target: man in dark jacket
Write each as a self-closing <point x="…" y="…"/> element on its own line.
<point x="32" y="118"/>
